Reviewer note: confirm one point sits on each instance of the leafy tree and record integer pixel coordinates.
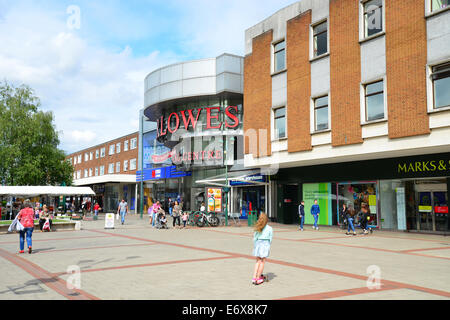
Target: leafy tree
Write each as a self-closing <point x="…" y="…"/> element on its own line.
<point x="29" y="153"/>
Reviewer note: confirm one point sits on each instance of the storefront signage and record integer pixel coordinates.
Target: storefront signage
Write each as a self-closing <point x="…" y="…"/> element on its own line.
<point x="425" y="208"/>
<point x="188" y="156"/>
<point x="424" y="166"/>
<point x="214" y="200"/>
<point x="250" y="179"/>
<point x="161" y="173"/>
<point x="190" y="117"/>
<point x="440" y="209"/>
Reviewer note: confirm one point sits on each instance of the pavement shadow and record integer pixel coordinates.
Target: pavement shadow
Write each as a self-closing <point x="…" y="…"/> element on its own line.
<point x="270" y="276"/>
<point x="42" y="249"/>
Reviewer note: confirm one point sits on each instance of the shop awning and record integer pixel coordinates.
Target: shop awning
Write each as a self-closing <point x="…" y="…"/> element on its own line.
<point x="33" y="191"/>
<point x="232" y="178"/>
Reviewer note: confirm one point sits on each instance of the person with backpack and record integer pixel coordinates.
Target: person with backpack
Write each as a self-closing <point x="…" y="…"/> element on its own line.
<point x="301" y="214"/>
<point x="315" y="211"/>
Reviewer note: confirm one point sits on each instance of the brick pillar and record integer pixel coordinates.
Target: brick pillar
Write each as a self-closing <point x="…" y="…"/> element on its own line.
<point x="406" y="59"/>
<point x="258" y="93"/>
<point x="345" y="72"/>
<point x="298" y="83"/>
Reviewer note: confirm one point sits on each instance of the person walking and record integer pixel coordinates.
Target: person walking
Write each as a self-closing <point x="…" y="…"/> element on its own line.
<point x="301" y="213"/>
<point x="262" y="239"/>
<point x="26" y="218"/>
<point x="315" y="211"/>
<point x="365" y="214"/>
<point x="185" y="218"/>
<point x="176" y="213"/>
<point x="123" y="209"/>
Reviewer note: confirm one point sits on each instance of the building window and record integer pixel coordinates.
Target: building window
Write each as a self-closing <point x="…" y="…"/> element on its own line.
<point x="373" y="17"/>
<point x="118" y="148"/>
<point x="74" y="176"/>
<point x="85" y="173"/>
<point x="79" y="159"/>
<point x="102" y="152"/>
<point x="280" y="123"/>
<point x="90" y="172"/>
<point x="441" y="85"/>
<point x="86" y="157"/>
<point x="133" y="143"/>
<point x="96" y="171"/>
<point x="320" y="39"/>
<point x="321" y="113"/>
<point x="125" y="145"/>
<point x="133" y="164"/>
<point x="439" y="4"/>
<point x="117" y="167"/>
<point x="91" y="155"/>
<point x="97" y="153"/>
<point x="102" y="170"/>
<point x="279" y="50"/>
<point x="125" y="165"/>
<point x="374" y="94"/>
<point x="111" y="168"/>
<point x="111" y="149"/>
<point x="79" y="174"/>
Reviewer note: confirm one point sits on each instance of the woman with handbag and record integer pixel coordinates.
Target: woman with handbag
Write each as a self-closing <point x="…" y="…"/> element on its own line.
<point x="26" y="218"/>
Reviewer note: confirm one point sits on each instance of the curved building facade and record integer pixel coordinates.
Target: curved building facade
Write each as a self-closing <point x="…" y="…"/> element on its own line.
<point x="192" y="133"/>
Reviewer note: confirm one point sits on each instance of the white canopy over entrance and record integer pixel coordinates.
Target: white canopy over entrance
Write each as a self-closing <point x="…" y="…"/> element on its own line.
<point x="34" y="191"/>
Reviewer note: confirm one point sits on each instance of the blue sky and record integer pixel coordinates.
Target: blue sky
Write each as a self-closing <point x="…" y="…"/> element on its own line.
<point x="92" y="77"/>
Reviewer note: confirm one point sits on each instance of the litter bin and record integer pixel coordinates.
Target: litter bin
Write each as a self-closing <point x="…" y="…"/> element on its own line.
<point x="251" y="218"/>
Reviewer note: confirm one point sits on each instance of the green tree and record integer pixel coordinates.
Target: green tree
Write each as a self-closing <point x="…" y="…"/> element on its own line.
<point x="29" y="153"/>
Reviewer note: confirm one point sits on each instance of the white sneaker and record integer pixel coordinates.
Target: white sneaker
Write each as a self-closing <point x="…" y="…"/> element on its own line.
<point x="314" y="227"/>
<point x="317" y="228"/>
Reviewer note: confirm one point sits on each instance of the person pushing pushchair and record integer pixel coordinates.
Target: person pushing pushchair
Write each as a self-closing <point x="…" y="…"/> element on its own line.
<point x="161" y="220"/>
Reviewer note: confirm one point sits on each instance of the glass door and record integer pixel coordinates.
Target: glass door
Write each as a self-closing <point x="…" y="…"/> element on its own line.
<point x="440" y="210"/>
<point x="425" y="213"/>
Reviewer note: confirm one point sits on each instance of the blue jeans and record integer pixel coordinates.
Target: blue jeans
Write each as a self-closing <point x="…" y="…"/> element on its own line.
<point x="28" y="232"/>
<point x="153" y="219"/>
<point x="302" y="219"/>
<point x="316" y="217"/>
<point x="170" y="211"/>
<point x="122" y="215"/>
<point x="350" y="225"/>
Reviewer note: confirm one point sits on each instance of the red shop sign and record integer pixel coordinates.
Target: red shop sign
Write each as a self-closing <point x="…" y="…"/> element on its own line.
<point x="440" y="209"/>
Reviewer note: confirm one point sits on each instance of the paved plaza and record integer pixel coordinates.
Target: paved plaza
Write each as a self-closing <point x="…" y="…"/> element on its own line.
<point x="135" y="261"/>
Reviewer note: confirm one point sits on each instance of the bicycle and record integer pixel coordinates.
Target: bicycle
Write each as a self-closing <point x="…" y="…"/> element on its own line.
<point x="211" y="219"/>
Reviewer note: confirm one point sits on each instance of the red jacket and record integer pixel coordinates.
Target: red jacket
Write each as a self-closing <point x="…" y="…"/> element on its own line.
<point x="26" y="217"/>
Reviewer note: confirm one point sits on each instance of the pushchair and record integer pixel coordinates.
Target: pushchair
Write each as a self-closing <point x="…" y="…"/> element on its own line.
<point x="161" y="220"/>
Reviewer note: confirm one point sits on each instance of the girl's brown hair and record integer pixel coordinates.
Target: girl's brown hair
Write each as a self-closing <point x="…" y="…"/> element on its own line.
<point x="261" y="223"/>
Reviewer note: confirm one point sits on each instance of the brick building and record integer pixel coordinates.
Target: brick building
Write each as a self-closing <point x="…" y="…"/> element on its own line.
<point x="110" y="170"/>
<point x="351" y="103"/>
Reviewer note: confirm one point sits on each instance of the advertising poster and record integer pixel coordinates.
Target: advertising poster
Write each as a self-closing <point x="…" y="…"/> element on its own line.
<point x="321" y="192"/>
<point x="214" y="200"/>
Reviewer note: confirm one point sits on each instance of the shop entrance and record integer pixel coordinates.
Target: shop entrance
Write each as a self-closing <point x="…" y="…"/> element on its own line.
<point x="249" y="198"/>
<point x="432" y="207"/>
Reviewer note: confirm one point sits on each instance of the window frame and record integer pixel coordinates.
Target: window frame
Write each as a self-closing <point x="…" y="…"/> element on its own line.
<point x="102" y="170"/>
<point x="118" y="147"/>
<point x="135" y="164"/>
<point x="133" y="143"/>
<point x="430" y="3"/>
<point x="275" y="137"/>
<point x="315" y="108"/>
<point x="125" y="145"/>
<point x="432" y="88"/>
<point x="97" y="154"/>
<point x="362" y="21"/>
<point x="313" y="54"/>
<point x="125" y="165"/>
<point x="118" y="167"/>
<point x="102" y="152"/>
<point x="111" y="165"/>
<point x="96" y="171"/>
<point x="91" y="156"/>
<point x="112" y="149"/>
<point x="274" y="55"/>
<point x="366" y="107"/>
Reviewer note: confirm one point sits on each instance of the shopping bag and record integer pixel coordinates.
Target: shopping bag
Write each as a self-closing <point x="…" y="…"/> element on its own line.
<point x="46" y="226"/>
<point x="117" y="216"/>
<point x="15" y="226"/>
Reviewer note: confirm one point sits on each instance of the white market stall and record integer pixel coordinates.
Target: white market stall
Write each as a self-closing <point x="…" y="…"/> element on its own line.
<point x="37" y="191"/>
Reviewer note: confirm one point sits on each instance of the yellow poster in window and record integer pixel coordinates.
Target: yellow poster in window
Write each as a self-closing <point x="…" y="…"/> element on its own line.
<point x="372" y="200"/>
